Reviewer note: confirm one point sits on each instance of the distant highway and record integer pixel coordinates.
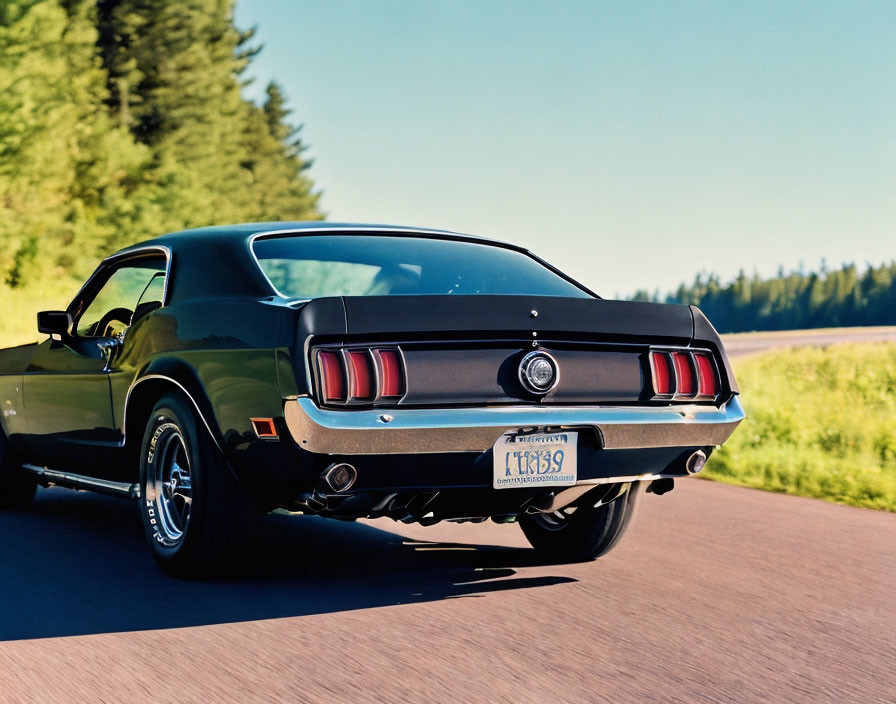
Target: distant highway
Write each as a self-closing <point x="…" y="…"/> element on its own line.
<point x="743" y="344"/>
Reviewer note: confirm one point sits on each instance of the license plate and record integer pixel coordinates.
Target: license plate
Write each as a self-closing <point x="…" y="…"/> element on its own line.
<point x="538" y="459"/>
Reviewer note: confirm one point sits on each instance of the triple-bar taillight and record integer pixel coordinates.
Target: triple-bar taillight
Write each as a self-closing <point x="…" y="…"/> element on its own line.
<point x="684" y="374"/>
<point x="360" y="374"/>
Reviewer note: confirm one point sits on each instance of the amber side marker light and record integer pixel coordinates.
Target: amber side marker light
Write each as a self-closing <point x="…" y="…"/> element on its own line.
<point x="264" y="427"/>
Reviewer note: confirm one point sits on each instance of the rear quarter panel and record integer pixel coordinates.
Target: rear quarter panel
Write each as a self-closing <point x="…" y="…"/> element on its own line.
<point x="224" y="355"/>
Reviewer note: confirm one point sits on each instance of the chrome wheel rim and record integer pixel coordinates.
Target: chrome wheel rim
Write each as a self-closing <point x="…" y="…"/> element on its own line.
<point x="172" y="485"/>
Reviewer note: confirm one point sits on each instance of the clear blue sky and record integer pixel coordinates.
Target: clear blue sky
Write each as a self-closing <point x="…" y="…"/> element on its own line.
<point x="632" y="144"/>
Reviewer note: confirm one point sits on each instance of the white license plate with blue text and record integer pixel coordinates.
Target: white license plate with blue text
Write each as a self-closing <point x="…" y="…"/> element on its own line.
<point x="538" y="459"/>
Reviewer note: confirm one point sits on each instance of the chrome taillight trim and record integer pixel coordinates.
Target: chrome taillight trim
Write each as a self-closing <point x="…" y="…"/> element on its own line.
<point x="655" y="355"/>
<point x="353" y="396"/>
<point x="376" y="369"/>
<point x="717" y="380"/>
<point x="378" y="364"/>
<point x="320" y="376"/>
<point x="692" y="365"/>
<point x="691" y="353"/>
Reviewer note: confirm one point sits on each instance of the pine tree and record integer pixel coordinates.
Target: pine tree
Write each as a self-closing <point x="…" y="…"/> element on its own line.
<point x="276" y="113"/>
<point x="795" y="300"/>
<point x="174" y="72"/>
<point x="61" y="159"/>
<point x="124" y="119"/>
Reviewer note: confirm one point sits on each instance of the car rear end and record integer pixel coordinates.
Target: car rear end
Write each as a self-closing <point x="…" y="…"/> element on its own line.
<point x="421" y="407"/>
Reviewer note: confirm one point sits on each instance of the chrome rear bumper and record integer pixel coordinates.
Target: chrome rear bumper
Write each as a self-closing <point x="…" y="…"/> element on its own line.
<point x="417" y="430"/>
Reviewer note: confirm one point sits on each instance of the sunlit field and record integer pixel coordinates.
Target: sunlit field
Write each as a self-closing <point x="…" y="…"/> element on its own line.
<point x="19" y="308"/>
<point x="821" y="423"/>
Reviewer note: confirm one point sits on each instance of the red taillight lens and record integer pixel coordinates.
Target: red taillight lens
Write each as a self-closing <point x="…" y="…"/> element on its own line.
<point x="391" y="381"/>
<point x="706" y="375"/>
<point x="663" y="381"/>
<point x="360" y="374"/>
<point x="685" y="374"/>
<point x="332" y="376"/>
<point x="362" y="377"/>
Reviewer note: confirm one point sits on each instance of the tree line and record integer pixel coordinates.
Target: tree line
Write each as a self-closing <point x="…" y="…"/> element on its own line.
<point x="795" y="300"/>
<point x="124" y="119"/>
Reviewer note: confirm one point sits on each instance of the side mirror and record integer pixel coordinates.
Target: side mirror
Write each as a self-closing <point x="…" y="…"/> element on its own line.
<point x="54" y="322"/>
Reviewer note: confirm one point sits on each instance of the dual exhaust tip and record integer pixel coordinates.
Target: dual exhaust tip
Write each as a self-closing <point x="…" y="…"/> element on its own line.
<point x="696" y="462"/>
<point x="339" y="477"/>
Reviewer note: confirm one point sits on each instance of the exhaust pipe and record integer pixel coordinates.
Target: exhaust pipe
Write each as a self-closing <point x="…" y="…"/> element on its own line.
<point x="339" y="476"/>
<point x="696" y="462"/>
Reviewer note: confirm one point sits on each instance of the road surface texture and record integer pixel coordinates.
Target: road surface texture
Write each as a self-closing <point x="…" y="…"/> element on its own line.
<point x="717" y="594"/>
<point x="743" y="344"/>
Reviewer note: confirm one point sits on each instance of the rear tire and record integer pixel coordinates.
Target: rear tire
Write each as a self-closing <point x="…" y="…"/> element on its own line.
<point x="196" y="515"/>
<point x="582" y="534"/>
<point x="17" y="487"/>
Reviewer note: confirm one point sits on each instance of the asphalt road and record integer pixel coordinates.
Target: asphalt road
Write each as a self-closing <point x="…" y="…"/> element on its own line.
<point x="743" y="344"/>
<point x="717" y="594"/>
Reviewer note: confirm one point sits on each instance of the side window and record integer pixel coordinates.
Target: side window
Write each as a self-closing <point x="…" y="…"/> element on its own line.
<point x="136" y="284"/>
<point x="151" y="298"/>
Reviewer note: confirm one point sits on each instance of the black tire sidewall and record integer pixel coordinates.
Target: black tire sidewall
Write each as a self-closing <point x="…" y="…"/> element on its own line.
<point x="173" y="409"/>
<point x="589" y="533"/>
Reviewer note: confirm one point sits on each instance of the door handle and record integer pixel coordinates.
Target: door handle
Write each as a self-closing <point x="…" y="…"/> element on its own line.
<point x="109" y="348"/>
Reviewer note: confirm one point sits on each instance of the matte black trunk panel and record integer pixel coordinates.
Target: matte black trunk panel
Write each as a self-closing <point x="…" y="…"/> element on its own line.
<point x="465" y="349"/>
<point x="489" y="375"/>
<point x="397" y="315"/>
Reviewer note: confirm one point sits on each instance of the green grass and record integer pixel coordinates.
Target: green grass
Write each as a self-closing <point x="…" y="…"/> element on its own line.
<point x="821" y="422"/>
<point x="19" y="308"/>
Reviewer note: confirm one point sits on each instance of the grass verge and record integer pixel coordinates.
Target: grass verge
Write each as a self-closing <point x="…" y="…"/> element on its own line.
<point x="19" y="308"/>
<point x="821" y="423"/>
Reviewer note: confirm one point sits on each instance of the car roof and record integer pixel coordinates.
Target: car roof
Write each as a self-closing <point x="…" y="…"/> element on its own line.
<point x="235" y="274"/>
<point x="233" y="234"/>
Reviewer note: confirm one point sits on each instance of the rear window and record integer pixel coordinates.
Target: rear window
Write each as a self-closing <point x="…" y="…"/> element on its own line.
<point x="311" y="266"/>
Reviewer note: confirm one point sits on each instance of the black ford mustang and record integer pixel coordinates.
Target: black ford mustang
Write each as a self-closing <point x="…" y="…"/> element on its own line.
<point x="354" y="371"/>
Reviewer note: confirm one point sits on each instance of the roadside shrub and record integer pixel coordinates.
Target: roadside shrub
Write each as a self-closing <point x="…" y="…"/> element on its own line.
<point x="821" y="423"/>
<point x="19" y="307"/>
